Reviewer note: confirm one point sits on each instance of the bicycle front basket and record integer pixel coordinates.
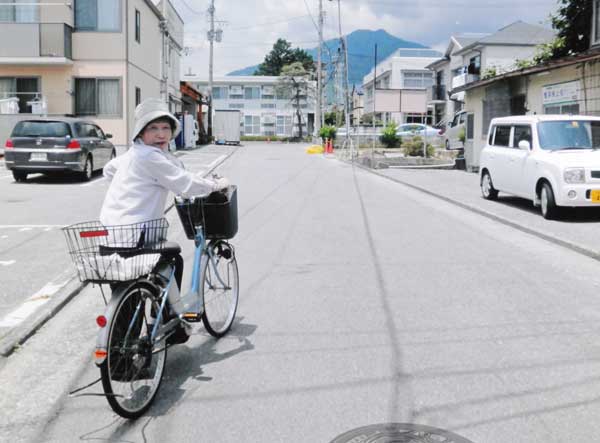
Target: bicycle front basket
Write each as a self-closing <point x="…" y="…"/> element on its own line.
<point x="216" y="213"/>
<point x="107" y="254"/>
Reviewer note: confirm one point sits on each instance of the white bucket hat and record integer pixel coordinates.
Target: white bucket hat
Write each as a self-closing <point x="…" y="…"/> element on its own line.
<point x="149" y="110"/>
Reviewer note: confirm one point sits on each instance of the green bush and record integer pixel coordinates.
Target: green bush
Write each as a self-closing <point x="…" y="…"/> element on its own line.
<point x="327" y="131"/>
<point x="414" y="148"/>
<point x="260" y="138"/>
<point x="389" y="137"/>
<point x="462" y="135"/>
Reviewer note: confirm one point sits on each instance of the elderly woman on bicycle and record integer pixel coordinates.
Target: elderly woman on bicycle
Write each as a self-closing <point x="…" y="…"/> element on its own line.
<point x="141" y="179"/>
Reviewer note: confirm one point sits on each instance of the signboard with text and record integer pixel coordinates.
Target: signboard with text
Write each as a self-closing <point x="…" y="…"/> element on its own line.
<point x="561" y="93"/>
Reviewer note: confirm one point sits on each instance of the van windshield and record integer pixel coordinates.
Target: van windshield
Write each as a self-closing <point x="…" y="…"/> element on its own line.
<point x="41" y="129"/>
<point x="569" y="134"/>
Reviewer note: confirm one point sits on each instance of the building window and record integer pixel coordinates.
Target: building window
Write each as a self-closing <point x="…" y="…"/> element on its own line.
<point x="12" y="12"/>
<point x="267" y="105"/>
<point x="252" y="124"/>
<point x="236" y="106"/>
<point x="25" y="89"/>
<point x="564" y="108"/>
<point x="98" y="15"/>
<point x="251" y="93"/>
<point x="284" y="125"/>
<point x="138" y="26"/>
<point x="418" y="79"/>
<point x="101" y="97"/>
<point x="138" y="96"/>
<point x="219" y="92"/>
<point x="474" y="65"/>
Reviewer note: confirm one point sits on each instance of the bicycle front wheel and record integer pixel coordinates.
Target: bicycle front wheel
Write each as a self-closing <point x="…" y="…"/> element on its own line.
<point x="219" y="283"/>
<point x="133" y="369"/>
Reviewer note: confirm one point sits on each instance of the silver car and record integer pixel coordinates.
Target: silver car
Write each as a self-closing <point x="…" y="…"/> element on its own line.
<point x="55" y="145"/>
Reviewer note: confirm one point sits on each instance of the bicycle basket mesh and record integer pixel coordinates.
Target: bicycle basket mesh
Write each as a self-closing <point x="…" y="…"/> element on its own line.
<point x="105" y="254"/>
<point x="215" y="213"/>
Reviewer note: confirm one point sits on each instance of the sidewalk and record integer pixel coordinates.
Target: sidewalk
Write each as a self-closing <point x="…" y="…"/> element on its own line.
<point x="577" y="229"/>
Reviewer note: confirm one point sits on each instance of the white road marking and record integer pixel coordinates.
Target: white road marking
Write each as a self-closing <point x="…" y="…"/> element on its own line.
<point x="38" y="299"/>
<point x="4" y="236"/>
<point x="25" y="229"/>
<point x="7" y="262"/>
<point x="31" y="226"/>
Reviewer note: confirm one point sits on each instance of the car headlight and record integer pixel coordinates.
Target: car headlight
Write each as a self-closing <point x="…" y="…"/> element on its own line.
<point x="574" y="175"/>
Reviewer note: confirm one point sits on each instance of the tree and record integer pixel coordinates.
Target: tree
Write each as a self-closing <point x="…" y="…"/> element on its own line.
<point x="294" y="83"/>
<point x="573" y="24"/>
<point x="281" y="55"/>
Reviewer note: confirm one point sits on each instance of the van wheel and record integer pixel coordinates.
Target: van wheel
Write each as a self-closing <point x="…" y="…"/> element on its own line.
<point x="547" y="202"/>
<point x="487" y="187"/>
<point x="88" y="170"/>
<point x="19" y="176"/>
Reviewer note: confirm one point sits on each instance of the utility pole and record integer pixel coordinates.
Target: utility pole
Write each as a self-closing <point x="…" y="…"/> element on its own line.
<point x="211" y="39"/>
<point x="319" y="73"/>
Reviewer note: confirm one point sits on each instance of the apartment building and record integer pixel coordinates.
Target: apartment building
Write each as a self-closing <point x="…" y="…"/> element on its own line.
<point x="92" y="58"/>
<point x="264" y="109"/>
<point x="403" y="75"/>
<point x="471" y="57"/>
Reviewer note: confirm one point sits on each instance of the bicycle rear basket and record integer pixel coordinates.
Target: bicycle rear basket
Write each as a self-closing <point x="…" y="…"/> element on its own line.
<point x="218" y="218"/>
<point x="105" y="254"/>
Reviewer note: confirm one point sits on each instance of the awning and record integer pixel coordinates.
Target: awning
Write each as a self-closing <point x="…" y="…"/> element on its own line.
<point x="459" y="96"/>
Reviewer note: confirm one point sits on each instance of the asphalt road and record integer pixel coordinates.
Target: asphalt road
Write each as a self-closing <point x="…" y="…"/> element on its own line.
<point x="363" y="301"/>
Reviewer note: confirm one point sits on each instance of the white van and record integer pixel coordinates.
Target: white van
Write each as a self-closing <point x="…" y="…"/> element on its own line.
<point x="552" y="160"/>
<point x="451" y="136"/>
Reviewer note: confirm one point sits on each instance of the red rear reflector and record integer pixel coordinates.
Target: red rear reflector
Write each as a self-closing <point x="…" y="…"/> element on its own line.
<point x="101" y="321"/>
<point x="74" y="144"/>
<point x="100" y="354"/>
<point x="9" y="144"/>
<point x="88" y="234"/>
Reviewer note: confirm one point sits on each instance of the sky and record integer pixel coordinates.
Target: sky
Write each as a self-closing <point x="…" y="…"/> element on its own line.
<point x="250" y="27"/>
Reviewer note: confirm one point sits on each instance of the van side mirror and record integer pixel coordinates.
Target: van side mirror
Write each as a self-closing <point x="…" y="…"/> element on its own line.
<point x="524" y="145"/>
<point x="108" y="135"/>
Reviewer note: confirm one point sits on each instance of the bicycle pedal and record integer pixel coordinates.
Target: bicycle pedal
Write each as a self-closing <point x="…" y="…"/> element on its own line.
<point x="191" y="317"/>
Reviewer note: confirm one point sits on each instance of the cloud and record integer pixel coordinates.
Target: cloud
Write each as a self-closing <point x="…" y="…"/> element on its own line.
<point x="250" y="27"/>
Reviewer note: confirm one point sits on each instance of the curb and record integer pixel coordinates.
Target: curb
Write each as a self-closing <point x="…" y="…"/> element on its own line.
<point x="548" y="237"/>
<point x="21" y="333"/>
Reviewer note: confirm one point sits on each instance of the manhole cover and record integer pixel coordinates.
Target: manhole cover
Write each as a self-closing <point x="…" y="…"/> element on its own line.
<point x="399" y="433"/>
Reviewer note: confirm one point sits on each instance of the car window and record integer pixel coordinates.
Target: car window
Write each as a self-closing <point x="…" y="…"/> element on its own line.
<point x="89" y="130"/>
<point x="41" y="129"/>
<point x="571" y="134"/>
<point x="502" y="136"/>
<point x="99" y="132"/>
<point x="522" y="132"/>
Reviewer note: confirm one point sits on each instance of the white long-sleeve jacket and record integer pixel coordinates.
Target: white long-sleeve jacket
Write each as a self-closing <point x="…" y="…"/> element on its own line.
<point x="141" y="180"/>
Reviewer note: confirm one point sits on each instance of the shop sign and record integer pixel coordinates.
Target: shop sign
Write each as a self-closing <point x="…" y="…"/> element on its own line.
<point x="561" y="93"/>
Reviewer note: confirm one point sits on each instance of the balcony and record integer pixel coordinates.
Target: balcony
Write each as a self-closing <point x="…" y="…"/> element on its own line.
<point x="36" y="43"/>
<point x="463" y="79"/>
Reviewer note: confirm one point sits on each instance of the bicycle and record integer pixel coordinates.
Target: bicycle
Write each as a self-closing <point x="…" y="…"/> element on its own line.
<point x="143" y="312"/>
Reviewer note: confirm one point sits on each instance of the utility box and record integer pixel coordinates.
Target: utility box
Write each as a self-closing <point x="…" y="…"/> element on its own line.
<point x="226" y="127"/>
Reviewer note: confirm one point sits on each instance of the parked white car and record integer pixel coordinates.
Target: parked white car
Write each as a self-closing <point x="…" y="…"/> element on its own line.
<point x="552" y="160"/>
<point x="451" y="135"/>
<point x="409" y="130"/>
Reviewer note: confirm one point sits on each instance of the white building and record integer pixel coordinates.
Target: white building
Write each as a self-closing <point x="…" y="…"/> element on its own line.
<point x="405" y="70"/>
<point x="96" y="59"/>
<point x="470" y="57"/>
<point x="264" y="110"/>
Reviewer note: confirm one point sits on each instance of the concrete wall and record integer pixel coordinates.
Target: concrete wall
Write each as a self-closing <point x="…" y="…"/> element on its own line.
<point x="536" y="82"/>
<point x="149" y="85"/>
<point x="57" y="13"/>
<point x="504" y="57"/>
<point x="474" y="103"/>
<point x="145" y="55"/>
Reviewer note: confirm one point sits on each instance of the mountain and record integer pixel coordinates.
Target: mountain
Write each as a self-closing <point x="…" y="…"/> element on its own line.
<point x="361" y="44"/>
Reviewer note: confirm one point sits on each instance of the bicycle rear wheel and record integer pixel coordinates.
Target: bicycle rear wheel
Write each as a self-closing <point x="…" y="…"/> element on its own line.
<point x="219" y="282"/>
<point x="133" y="369"/>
